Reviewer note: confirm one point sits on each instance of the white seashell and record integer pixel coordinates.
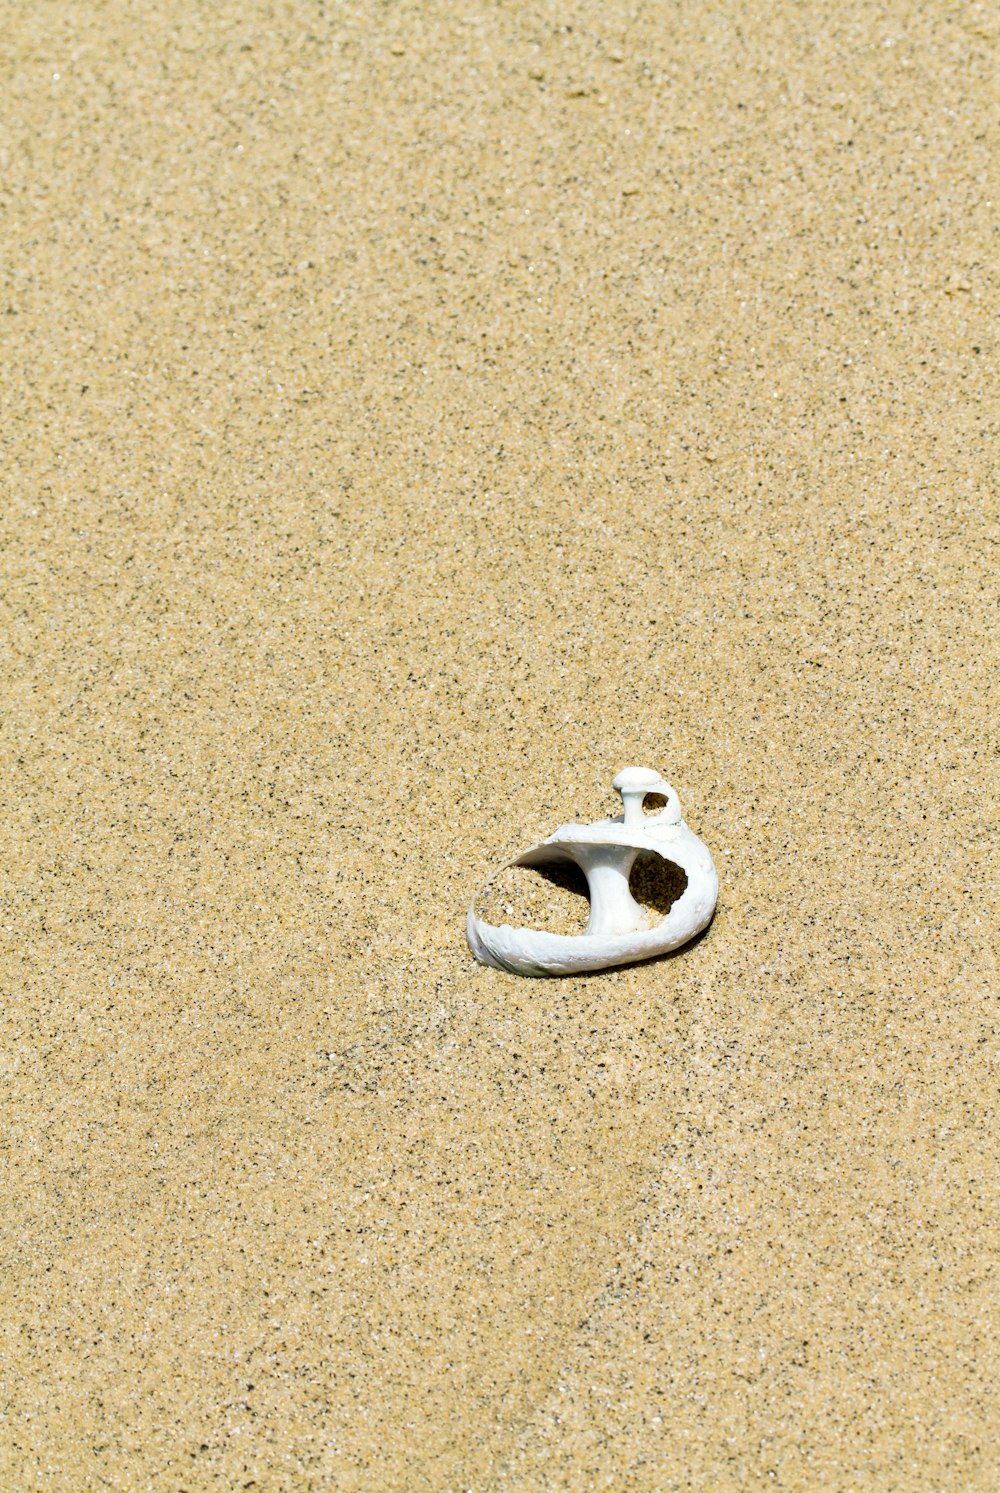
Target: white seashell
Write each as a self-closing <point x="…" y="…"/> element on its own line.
<point x="619" y="930"/>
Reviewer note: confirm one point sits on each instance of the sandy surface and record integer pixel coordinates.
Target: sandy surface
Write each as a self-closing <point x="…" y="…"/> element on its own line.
<point x="413" y="414"/>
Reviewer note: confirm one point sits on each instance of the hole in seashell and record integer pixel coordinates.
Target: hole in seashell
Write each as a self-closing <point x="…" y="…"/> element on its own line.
<point x="552" y="898"/>
<point x="656" y="883"/>
<point x="654" y="803"/>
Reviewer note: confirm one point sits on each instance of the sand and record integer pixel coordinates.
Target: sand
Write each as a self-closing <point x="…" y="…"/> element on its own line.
<point x="412" y="415"/>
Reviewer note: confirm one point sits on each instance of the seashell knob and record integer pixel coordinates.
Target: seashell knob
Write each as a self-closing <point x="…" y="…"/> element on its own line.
<point x="633" y="784"/>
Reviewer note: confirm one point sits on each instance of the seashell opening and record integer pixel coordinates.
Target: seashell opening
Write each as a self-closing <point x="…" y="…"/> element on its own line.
<point x="553" y="897"/>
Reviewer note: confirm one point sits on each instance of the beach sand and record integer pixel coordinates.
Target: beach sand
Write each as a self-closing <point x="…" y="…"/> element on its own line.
<point x="413" y="415"/>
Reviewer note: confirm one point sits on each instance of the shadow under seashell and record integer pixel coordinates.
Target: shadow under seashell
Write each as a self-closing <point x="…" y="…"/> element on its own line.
<point x="656" y="883"/>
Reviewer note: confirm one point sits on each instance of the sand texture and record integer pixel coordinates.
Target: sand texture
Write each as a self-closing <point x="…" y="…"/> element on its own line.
<point x="412" y="414"/>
